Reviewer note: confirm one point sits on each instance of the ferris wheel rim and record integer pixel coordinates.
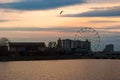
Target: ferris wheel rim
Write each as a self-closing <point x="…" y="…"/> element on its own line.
<point x="96" y="45"/>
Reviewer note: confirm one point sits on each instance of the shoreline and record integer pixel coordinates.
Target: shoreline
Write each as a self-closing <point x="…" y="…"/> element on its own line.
<point x="64" y="57"/>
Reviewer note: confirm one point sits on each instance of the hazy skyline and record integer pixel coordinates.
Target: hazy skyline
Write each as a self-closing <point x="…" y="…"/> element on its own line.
<point x="40" y="20"/>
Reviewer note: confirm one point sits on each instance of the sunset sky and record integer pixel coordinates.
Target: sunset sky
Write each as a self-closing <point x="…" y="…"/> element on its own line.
<point x="40" y="20"/>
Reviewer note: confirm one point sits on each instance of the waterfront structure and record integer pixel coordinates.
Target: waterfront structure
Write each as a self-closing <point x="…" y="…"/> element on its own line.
<point x="67" y="44"/>
<point x="26" y="46"/>
<point x="109" y="48"/>
<point x="3" y="51"/>
<point x="62" y="47"/>
<point x="59" y="43"/>
<point x="74" y="45"/>
<point x="4" y="47"/>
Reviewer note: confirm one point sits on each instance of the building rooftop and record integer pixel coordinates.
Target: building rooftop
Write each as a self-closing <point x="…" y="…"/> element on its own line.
<point x="17" y="44"/>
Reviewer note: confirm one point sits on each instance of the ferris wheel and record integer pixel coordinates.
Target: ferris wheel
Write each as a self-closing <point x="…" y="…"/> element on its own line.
<point x="90" y="34"/>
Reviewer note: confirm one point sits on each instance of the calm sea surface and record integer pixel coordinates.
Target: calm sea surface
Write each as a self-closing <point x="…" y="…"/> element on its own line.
<point x="61" y="70"/>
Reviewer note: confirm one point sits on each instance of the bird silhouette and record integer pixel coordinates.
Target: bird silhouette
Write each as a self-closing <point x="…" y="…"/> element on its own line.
<point x="61" y="12"/>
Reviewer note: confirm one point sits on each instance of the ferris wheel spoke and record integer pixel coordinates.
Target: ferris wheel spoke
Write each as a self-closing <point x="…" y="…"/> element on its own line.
<point x="90" y="34"/>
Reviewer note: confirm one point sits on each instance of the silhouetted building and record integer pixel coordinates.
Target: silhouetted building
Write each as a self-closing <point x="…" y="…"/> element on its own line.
<point x="59" y="43"/>
<point x="82" y="46"/>
<point x="27" y="46"/>
<point x="75" y="45"/>
<point x="67" y="44"/>
<point x="4" y="51"/>
<point x="109" y="48"/>
<point x="4" y="47"/>
<point x="86" y="45"/>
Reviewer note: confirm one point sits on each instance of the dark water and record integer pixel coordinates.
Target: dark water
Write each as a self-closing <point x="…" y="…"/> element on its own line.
<point x="61" y="70"/>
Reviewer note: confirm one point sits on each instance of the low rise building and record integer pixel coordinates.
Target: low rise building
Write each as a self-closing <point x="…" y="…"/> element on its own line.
<point x="4" y="51"/>
<point x="109" y="48"/>
<point x="26" y="46"/>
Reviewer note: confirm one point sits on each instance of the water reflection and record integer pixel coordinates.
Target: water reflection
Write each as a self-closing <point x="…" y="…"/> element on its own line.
<point x="61" y="70"/>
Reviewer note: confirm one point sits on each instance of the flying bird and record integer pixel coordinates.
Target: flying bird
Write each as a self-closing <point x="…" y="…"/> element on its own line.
<point x="61" y="12"/>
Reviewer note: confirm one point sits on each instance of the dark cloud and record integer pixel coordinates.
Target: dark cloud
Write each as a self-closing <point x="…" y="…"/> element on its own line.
<point x="110" y="27"/>
<point x="2" y="20"/>
<point x="5" y="20"/>
<point x="115" y="11"/>
<point x="39" y="4"/>
<point x="100" y="8"/>
<point x="104" y="21"/>
<point x="59" y="29"/>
